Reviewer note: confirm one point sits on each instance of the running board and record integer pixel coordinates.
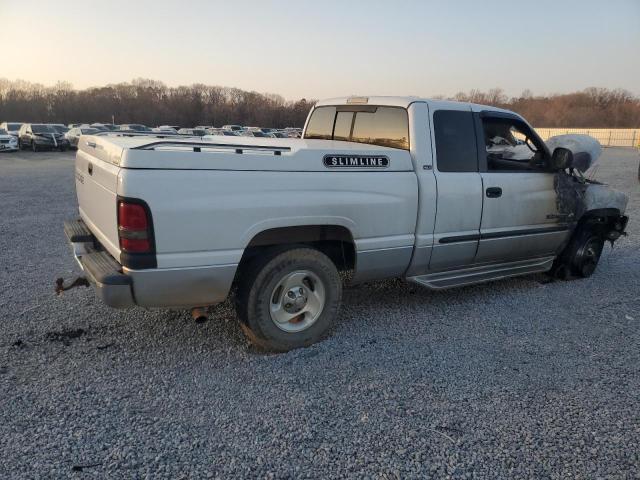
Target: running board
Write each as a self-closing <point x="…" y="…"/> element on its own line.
<point x="485" y="273"/>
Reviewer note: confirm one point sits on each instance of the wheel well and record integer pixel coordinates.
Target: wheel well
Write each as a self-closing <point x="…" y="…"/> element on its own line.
<point x="604" y="221"/>
<point x="335" y="241"/>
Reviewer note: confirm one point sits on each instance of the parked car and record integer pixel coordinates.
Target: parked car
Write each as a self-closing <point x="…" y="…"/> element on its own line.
<point x="164" y="226"/>
<point x="40" y="135"/>
<point x="278" y="135"/>
<point x="98" y="126"/>
<point x="73" y="125"/>
<point x="235" y="128"/>
<point x="73" y="135"/>
<point x="60" y="128"/>
<point x="12" y="128"/>
<point x="221" y="132"/>
<point x="134" y="127"/>
<point x="168" y="128"/>
<point x="164" y="129"/>
<point x="253" y="133"/>
<point x="192" y="131"/>
<point x="8" y="143"/>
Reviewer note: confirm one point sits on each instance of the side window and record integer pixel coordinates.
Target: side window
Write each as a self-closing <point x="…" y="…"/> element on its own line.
<point x="455" y="141"/>
<point x="510" y="146"/>
<point x="321" y="123"/>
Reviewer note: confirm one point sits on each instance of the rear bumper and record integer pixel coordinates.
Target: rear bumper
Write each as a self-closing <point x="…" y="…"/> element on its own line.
<point x="112" y="286"/>
<point x="120" y="287"/>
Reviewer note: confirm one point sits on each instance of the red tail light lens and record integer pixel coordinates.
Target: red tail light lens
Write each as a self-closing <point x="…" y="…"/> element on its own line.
<point x="132" y="216"/>
<point x="134" y="228"/>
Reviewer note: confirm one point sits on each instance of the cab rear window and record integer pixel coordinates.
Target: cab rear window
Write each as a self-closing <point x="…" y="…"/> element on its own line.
<point x="384" y="126"/>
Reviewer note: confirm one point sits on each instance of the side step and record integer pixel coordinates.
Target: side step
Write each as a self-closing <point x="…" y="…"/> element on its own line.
<point x="485" y="273"/>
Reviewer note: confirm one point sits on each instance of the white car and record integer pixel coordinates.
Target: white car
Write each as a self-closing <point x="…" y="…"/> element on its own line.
<point x="235" y="128"/>
<point x="8" y="143"/>
<point x="12" y="128"/>
<point x="164" y="129"/>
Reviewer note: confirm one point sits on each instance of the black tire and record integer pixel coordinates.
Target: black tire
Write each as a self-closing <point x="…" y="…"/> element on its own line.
<point x="20" y="147"/>
<point x="34" y="146"/>
<point x="580" y="258"/>
<point x="259" y="287"/>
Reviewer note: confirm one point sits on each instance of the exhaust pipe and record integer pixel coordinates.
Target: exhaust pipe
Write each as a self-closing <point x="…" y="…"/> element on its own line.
<point x="199" y="314"/>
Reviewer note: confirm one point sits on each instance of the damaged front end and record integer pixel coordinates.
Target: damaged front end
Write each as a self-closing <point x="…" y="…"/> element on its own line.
<point x="577" y="195"/>
<point x="595" y="211"/>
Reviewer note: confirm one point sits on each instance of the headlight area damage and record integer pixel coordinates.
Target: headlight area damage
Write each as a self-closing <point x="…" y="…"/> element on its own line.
<point x="594" y="210"/>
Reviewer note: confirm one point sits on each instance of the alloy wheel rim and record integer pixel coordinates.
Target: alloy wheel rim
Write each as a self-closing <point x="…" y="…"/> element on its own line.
<point x="297" y="301"/>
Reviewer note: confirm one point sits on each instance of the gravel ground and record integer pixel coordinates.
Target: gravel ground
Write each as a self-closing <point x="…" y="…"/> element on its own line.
<point x="518" y="378"/>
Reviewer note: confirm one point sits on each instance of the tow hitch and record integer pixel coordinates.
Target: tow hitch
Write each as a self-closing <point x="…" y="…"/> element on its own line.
<point x="78" y="282"/>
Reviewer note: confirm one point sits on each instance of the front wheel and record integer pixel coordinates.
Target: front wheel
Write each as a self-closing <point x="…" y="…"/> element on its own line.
<point x="288" y="299"/>
<point x="580" y="258"/>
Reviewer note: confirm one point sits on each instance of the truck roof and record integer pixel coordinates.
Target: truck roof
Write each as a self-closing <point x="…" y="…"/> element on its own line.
<point x="404" y="102"/>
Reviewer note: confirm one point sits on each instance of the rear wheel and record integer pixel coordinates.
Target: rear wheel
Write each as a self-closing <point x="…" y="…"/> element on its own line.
<point x="288" y="299"/>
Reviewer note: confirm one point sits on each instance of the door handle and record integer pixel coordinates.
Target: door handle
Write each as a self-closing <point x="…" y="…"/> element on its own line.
<point x="90" y="168"/>
<point x="494" y="192"/>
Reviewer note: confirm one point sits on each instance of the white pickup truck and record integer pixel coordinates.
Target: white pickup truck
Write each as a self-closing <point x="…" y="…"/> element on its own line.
<point x="440" y="193"/>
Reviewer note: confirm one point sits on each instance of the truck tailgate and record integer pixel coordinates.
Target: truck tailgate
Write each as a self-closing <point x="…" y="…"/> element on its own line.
<point x="96" y="175"/>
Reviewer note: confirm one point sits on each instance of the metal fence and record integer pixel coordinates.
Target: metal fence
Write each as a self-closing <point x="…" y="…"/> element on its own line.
<point x="608" y="137"/>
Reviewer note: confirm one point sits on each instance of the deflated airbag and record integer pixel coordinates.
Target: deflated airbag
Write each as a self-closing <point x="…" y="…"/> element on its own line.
<point x="586" y="150"/>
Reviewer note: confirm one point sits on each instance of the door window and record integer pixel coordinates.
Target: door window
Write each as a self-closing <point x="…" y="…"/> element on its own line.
<point x="455" y="141"/>
<point x="510" y="146"/>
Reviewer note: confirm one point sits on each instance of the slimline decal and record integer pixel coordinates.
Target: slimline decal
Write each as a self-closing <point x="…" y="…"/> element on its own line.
<point x="356" y="161"/>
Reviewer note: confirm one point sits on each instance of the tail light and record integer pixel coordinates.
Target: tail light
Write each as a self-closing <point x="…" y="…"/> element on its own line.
<point x="135" y="227"/>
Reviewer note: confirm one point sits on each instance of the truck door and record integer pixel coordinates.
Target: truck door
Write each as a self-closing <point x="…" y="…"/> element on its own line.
<point x="459" y="186"/>
<point x="520" y="217"/>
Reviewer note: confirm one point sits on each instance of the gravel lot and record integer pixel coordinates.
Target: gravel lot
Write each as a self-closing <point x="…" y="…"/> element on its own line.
<point x="519" y="378"/>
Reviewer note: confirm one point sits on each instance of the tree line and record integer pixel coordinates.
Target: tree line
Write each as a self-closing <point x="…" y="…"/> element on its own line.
<point x="148" y="102"/>
<point x="590" y="108"/>
<point x="152" y="103"/>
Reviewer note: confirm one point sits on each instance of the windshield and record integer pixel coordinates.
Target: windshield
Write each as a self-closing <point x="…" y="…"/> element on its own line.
<point x="88" y="131"/>
<point x="60" y="129"/>
<point x="3" y="131"/>
<point x="14" y="126"/>
<point x="43" y="129"/>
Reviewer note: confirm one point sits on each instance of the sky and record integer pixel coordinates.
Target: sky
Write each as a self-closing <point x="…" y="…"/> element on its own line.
<point x="324" y="48"/>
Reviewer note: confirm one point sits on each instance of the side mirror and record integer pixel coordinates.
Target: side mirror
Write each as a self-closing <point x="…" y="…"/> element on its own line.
<point x="561" y="159"/>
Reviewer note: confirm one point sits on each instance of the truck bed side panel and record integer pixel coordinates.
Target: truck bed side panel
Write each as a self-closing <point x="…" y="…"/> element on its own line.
<point x="208" y="217"/>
